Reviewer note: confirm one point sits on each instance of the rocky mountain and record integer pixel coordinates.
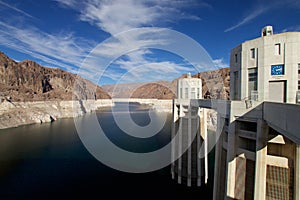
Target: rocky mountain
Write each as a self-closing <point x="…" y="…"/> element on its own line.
<point x="215" y="85"/>
<point x="121" y="90"/>
<point x="154" y="91"/>
<point x="150" y="90"/>
<point x="29" y="81"/>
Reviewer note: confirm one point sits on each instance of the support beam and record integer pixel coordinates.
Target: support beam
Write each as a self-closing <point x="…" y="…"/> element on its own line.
<point x="205" y="145"/>
<point x="231" y="161"/>
<point x="179" y="151"/>
<point x="175" y="118"/>
<point x="218" y="152"/>
<point x="261" y="165"/>
<point x="189" y="151"/>
<point x="199" y="167"/>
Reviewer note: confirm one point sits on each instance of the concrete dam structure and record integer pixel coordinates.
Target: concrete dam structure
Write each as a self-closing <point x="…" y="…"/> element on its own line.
<point x="257" y="152"/>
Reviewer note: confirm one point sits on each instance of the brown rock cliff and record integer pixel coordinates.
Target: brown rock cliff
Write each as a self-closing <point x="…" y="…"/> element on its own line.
<point x="29" y="81"/>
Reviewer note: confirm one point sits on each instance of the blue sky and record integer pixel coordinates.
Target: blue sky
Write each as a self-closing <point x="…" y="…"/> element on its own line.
<point x="63" y="33"/>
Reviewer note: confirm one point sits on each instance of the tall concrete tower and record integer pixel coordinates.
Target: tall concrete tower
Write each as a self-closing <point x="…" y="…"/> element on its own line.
<point x="188" y="122"/>
<point x="258" y="152"/>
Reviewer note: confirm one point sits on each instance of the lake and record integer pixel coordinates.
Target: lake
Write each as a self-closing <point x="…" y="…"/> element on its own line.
<point x="47" y="161"/>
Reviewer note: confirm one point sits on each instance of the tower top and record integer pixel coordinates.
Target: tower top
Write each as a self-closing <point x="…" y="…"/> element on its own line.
<point x="267" y="30"/>
<point x="189" y="75"/>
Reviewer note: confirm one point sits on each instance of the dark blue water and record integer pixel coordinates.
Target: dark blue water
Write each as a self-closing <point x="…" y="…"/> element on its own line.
<point x="48" y="161"/>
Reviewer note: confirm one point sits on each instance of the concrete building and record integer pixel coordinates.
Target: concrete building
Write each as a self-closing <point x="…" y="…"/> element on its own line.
<point x="266" y="68"/>
<point x="189" y="88"/>
<point x="189" y="124"/>
<point x="257" y="155"/>
<point x="257" y="152"/>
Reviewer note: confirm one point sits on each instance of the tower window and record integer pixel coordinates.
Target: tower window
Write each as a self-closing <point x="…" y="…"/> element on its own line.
<point x="252" y="81"/>
<point x="252" y="53"/>
<point x="236" y="58"/>
<point x="298" y="76"/>
<point x="277" y="49"/>
<point x="193" y="93"/>
<point x="186" y="93"/>
<point x="235" y="85"/>
<point x="181" y="96"/>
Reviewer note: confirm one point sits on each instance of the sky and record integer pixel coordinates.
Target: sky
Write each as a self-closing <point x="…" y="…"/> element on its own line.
<point x="123" y="41"/>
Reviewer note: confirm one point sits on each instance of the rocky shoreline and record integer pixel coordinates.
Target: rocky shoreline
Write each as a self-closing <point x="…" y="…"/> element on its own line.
<point x="14" y="114"/>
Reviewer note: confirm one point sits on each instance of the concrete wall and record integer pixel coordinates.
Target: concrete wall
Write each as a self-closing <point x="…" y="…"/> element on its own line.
<point x="284" y="118"/>
<point x="185" y="87"/>
<point x="160" y="105"/>
<point x="264" y="58"/>
<point x="258" y="152"/>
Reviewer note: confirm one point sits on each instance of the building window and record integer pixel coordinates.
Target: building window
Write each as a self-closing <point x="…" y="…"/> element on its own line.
<point x="236" y="58"/>
<point x="198" y="93"/>
<point x="277" y="49"/>
<point x="298" y="76"/>
<point x="186" y="93"/>
<point x="193" y="93"/>
<point x="180" y="93"/>
<point x="235" y="85"/>
<point x="252" y="81"/>
<point x="252" y="53"/>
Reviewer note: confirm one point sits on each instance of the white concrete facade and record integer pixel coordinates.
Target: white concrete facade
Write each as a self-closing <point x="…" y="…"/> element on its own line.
<point x="189" y="88"/>
<point x="259" y="147"/>
<point x="190" y="122"/>
<point x="258" y="151"/>
<point x="275" y="58"/>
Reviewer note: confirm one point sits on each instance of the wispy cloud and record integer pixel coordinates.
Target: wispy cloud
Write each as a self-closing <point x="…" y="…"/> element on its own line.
<point x="67" y="51"/>
<point x="63" y="50"/>
<point x="262" y="7"/>
<point x="16" y="9"/>
<point x="114" y="16"/>
<point x="139" y="68"/>
<point x="118" y="16"/>
<point x="255" y="13"/>
<point x="291" y="29"/>
<point x="220" y="63"/>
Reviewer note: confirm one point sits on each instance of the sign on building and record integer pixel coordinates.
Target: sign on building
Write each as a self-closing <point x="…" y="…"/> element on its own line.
<point x="277" y="70"/>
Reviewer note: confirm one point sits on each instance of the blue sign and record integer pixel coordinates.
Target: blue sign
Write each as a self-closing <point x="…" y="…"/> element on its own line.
<point x="277" y="70"/>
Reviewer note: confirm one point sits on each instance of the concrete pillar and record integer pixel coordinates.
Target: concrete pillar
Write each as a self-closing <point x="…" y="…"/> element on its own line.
<point x="205" y="145"/>
<point x="231" y="160"/>
<point x="199" y="167"/>
<point x="179" y="151"/>
<point x="175" y="117"/>
<point x="261" y="166"/>
<point x="297" y="174"/>
<point x="218" y="150"/>
<point x="189" y="151"/>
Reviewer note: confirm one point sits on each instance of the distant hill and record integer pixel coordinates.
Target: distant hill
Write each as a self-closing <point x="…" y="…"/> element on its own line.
<point x="215" y="85"/>
<point x="121" y="90"/>
<point x="154" y="91"/>
<point x="150" y="90"/>
<point x="29" y="81"/>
